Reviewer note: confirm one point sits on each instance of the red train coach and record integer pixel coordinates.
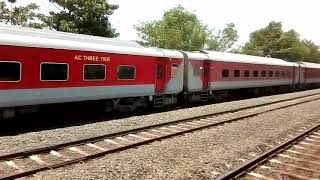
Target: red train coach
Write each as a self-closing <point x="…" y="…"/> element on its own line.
<point x="36" y="68"/>
<point x="46" y="67"/>
<point x="214" y="74"/>
<point x="310" y="73"/>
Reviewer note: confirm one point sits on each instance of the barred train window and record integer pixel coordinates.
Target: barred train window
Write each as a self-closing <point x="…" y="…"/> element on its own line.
<point x="54" y="71"/>
<point x="174" y="69"/>
<point x="246" y="73"/>
<point x="10" y="71"/>
<point x="126" y="72"/>
<point x="283" y="74"/>
<point x="263" y="73"/>
<point x="94" y="72"/>
<point x="255" y="73"/>
<point x="159" y="71"/>
<point x="236" y="73"/>
<point x="270" y="73"/>
<point x="196" y="70"/>
<point x="277" y="73"/>
<point x="288" y="74"/>
<point x="225" y="73"/>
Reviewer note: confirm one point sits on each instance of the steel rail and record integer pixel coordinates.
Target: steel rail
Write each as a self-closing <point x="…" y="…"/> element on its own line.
<point x="265" y="156"/>
<point x="119" y="133"/>
<point x="25" y="154"/>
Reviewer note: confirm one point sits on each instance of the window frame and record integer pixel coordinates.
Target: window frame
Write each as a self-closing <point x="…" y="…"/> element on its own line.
<point x="47" y="62"/>
<point x="157" y="72"/>
<point x="283" y="74"/>
<point x="244" y="73"/>
<point x="197" y="67"/>
<point x="105" y="72"/>
<point x="263" y="73"/>
<point x="225" y="77"/>
<point x="272" y="74"/>
<point x="135" y="72"/>
<point x="20" y="77"/>
<point x="234" y="73"/>
<point x="277" y="74"/>
<point x="288" y="74"/>
<point x="176" y="66"/>
<point x="254" y="73"/>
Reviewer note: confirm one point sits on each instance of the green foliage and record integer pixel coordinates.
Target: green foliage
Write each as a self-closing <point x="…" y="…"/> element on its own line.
<point x="26" y="16"/>
<point x="273" y="41"/>
<point x="179" y="29"/>
<point x="313" y="53"/>
<point x="83" y="17"/>
<point x="182" y="30"/>
<point x="224" y="39"/>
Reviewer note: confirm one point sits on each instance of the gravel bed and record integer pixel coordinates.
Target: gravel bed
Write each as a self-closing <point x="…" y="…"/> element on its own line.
<point x="59" y="135"/>
<point x="200" y="155"/>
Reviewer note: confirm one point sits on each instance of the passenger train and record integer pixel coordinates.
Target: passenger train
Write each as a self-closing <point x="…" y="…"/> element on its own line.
<point x="39" y="67"/>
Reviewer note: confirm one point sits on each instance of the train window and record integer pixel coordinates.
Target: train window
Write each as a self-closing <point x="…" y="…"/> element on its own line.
<point x="236" y="73"/>
<point x="255" y="73"/>
<point x="263" y="73"/>
<point x="94" y="72"/>
<point x="196" y="70"/>
<point x="270" y="73"/>
<point x="159" y="71"/>
<point x="174" y="70"/>
<point x="288" y="74"/>
<point x="54" y="71"/>
<point x="225" y="73"/>
<point x="283" y="74"/>
<point x="10" y="71"/>
<point x="277" y="73"/>
<point x="246" y="73"/>
<point x="126" y="72"/>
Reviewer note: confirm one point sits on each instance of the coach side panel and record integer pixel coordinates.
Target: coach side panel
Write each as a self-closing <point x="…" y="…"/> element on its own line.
<point x="312" y="75"/>
<point x="120" y="76"/>
<point x="230" y="75"/>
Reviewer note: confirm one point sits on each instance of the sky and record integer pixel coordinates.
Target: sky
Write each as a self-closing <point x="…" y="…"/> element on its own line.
<point x="248" y="15"/>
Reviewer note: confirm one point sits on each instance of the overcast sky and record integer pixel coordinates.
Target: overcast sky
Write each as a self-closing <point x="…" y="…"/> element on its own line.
<point x="248" y="15"/>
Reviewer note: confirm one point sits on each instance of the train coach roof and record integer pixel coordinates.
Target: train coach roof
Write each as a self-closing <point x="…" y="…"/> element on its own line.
<point x="311" y="65"/>
<point x="48" y="39"/>
<point x="171" y="53"/>
<point x="196" y="55"/>
<point x="65" y="36"/>
<point x="230" y="57"/>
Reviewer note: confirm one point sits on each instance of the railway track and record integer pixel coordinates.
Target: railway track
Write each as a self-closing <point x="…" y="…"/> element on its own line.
<point x="297" y="158"/>
<point x="27" y="162"/>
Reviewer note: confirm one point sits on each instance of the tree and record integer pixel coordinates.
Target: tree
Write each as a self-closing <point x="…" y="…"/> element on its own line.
<point x="273" y="41"/>
<point x="182" y="30"/>
<point x="26" y="16"/>
<point x="178" y="29"/>
<point x="263" y="41"/>
<point x="313" y="53"/>
<point x="290" y="47"/>
<point x="224" y="39"/>
<point x="83" y="17"/>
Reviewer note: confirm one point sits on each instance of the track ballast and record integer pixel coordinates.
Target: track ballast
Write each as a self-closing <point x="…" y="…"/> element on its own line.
<point x="28" y="162"/>
<point x="297" y="158"/>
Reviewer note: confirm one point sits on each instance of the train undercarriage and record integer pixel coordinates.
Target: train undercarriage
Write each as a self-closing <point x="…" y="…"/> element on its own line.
<point x="131" y="104"/>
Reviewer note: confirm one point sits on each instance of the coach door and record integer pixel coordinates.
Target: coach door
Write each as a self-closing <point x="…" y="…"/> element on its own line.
<point x="160" y="76"/>
<point x="296" y="71"/>
<point x="205" y="74"/>
<point x="302" y="74"/>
